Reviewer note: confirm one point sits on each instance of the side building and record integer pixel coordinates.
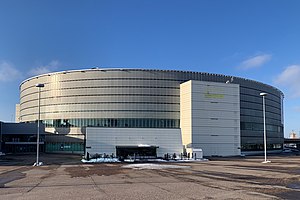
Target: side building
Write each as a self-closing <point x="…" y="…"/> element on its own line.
<point x="123" y="110"/>
<point x="20" y="137"/>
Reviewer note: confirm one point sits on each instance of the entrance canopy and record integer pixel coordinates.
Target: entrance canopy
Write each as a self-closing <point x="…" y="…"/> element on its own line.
<point x="139" y="151"/>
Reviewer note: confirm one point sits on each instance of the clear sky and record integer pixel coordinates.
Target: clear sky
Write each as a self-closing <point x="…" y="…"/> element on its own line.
<point x="255" y="39"/>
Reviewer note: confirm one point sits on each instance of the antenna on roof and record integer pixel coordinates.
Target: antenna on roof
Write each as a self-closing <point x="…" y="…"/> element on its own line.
<point x="229" y="81"/>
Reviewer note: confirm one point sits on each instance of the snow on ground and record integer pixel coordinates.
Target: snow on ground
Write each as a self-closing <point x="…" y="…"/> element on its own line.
<point x="153" y="166"/>
<point x="113" y="160"/>
<point x="191" y="160"/>
<point x="170" y="160"/>
<point x="101" y="160"/>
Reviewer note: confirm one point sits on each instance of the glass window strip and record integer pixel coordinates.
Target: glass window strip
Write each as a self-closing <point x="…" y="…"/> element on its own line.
<point x="113" y="123"/>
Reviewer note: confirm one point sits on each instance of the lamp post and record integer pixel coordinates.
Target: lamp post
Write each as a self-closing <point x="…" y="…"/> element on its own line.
<point x="39" y="86"/>
<point x="263" y="94"/>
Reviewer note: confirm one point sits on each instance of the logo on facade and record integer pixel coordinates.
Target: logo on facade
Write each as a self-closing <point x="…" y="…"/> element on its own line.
<point x="213" y="93"/>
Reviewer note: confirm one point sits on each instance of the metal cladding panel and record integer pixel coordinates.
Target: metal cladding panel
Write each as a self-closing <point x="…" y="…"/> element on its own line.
<point x="216" y="114"/>
<point x="22" y="128"/>
<point x="215" y="119"/>
<point x="217" y="149"/>
<point x="121" y="93"/>
<point x="105" y="140"/>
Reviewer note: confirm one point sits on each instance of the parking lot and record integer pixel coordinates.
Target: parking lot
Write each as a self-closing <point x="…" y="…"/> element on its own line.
<point x="65" y="177"/>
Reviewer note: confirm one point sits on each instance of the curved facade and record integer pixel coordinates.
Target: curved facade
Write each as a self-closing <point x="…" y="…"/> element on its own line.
<point x="140" y="98"/>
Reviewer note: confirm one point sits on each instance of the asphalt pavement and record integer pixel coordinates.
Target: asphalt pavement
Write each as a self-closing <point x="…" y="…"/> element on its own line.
<point x="65" y="177"/>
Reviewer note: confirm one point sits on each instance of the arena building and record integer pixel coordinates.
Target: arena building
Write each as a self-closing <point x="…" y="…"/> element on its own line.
<point x="152" y="112"/>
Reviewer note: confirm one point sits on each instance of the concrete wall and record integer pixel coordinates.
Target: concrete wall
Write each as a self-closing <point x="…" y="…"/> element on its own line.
<point x="17" y="118"/>
<point x="210" y="117"/>
<point x="105" y="140"/>
<point x="186" y="113"/>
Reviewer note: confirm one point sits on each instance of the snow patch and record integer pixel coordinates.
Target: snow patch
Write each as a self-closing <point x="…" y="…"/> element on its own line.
<point x="101" y="160"/>
<point x="154" y="166"/>
<point x="144" y="145"/>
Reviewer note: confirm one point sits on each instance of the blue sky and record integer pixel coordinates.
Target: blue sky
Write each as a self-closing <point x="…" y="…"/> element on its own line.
<point x="255" y="39"/>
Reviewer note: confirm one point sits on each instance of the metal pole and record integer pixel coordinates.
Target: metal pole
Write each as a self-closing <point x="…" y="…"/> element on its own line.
<point x="265" y="130"/>
<point x="265" y="135"/>
<point x="38" y="125"/>
<point x="38" y="131"/>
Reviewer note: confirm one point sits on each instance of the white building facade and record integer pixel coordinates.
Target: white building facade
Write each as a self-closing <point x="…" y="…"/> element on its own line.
<point x="210" y="117"/>
<point x="107" y="140"/>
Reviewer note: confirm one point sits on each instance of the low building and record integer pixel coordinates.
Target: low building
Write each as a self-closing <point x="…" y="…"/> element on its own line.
<point x="21" y="137"/>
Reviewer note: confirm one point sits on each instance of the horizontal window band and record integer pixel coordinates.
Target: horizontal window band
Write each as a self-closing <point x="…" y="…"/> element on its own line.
<point x="279" y="120"/>
<point x="102" y="79"/>
<point x="201" y="77"/>
<point x="99" y="103"/>
<point x="99" y="95"/>
<point x="260" y="103"/>
<point x="249" y="108"/>
<point x="96" y="87"/>
<point x="84" y="111"/>
<point x="113" y="122"/>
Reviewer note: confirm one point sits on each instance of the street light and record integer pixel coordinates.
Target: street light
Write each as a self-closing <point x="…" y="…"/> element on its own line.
<point x="39" y="85"/>
<point x="263" y="94"/>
